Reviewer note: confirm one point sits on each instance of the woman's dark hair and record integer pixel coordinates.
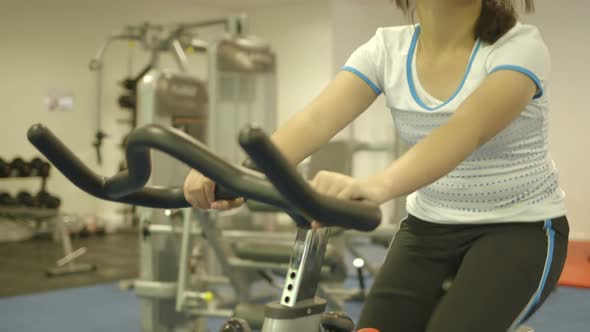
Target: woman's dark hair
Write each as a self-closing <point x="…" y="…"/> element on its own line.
<point x="497" y="17"/>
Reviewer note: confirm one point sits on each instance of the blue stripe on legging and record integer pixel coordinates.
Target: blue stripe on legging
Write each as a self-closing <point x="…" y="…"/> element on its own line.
<point x="537" y="296"/>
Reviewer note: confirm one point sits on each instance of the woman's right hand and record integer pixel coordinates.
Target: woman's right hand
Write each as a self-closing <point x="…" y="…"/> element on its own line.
<point x="200" y="192"/>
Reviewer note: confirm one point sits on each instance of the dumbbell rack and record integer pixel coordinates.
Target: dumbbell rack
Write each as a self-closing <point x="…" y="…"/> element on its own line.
<point x="28" y="212"/>
<point x="66" y="264"/>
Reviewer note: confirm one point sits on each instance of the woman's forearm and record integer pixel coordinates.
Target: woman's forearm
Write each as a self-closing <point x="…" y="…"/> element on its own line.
<point x="299" y="137"/>
<point x="429" y="160"/>
<point x="490" y="109"/>
<point x="345" y="98"/>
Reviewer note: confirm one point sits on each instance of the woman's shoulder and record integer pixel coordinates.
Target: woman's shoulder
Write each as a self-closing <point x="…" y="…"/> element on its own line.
<point x="396" y="38"/>
<point x="397" y="31"/>
<point x="520" y="33"/>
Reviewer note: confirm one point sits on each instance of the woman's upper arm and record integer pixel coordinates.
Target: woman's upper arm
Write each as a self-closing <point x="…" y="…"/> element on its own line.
<point x="344" y="99"/>
<point x="518" y="70"/>
<point x="495" y="104"/>
<point x="357" y="85"/>
<point x="339" y="103"/>
<point x="348" y="95"/>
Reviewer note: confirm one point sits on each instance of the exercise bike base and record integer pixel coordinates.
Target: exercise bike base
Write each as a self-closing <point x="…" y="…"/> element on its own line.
<point x="304" y="316"/>
<point x="308" y="323"/>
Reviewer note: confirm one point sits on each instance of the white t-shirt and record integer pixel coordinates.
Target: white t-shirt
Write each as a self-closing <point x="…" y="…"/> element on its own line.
<point x="511" y="177"/>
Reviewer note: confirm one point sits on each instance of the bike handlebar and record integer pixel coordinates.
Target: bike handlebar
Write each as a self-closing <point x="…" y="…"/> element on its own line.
<point x="129" y="186"/>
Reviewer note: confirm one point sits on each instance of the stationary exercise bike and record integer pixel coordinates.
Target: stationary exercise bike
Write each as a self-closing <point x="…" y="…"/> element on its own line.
<point x="298" y="309"/>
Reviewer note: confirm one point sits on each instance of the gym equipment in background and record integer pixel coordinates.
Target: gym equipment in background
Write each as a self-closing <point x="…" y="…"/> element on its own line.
<point x="40" y="211"/>
<point x="42" y="200"/>
<point x="20" y="168"/>
<point x="195" y="105"/>
<point x="6" y="199"/>
<point x="4" y="168"/>
<point x="25" y="198"/>
<point x="45" y="200"/>
<point x="239" y="86"/>
<point x="68" y="263"/>
<point x="39" y="167"/>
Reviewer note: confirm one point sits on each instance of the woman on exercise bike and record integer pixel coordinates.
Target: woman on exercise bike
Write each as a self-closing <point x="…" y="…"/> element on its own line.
<point x="467" y="88"/>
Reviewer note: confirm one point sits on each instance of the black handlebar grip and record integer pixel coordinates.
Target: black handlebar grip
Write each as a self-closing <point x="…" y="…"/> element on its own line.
<point x="78" y="173"/>
<point x="224" y="194"/>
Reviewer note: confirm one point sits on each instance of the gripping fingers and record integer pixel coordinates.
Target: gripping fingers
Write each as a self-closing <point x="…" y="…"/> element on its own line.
<point x="194" y="191"/>
<point x="226" y="205"/>
<point x="335" y="188"/>
<point x="199" y="199"/>
<point x="321" y="184"/>
<point x="345" y="193"/>
<point x="209" y="190"/>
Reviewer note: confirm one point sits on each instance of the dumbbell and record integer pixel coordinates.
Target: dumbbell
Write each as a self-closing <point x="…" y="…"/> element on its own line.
<point x="47" y="201"/>
<point x="24" y="198"/>
<point x="6" y="199"/>
<point x="20" y="168"/>
<point x="4" y="168"/>
<point x="129" y="84"/>
<point x="39" y="167"/>
<point x="128" y="101"/>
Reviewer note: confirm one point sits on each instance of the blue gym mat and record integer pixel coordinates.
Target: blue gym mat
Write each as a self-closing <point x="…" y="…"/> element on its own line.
<point x="101" y="308"/>
<point x="105" y="308"/>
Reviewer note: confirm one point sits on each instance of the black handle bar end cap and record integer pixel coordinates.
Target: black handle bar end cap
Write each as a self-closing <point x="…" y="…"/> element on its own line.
<point x="251" y="134"/>
<point x="36" y="131"/>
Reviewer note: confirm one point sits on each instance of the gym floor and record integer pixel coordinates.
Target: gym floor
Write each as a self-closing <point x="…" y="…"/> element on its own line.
<point x="84" y="304"/>
<point x="24" y="263"/>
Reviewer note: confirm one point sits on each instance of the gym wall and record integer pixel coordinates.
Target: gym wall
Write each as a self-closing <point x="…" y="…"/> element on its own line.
<point x="301" y="35"/>
<point x="565" y="29"/>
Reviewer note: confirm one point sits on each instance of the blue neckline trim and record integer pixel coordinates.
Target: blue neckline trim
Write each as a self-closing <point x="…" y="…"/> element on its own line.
<point x="364" y="78"/>
<point x="530" y="74"/>
<point x="410" y="77"/>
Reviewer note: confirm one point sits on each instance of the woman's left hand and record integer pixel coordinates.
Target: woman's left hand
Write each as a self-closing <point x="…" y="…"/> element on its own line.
<point x="345" y="187"/>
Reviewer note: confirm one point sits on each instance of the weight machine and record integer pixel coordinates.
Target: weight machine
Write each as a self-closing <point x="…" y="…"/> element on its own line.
<point x="239" y="87"/>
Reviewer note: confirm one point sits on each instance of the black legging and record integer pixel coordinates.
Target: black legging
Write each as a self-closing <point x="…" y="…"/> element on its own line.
<point x="500" y="273"/>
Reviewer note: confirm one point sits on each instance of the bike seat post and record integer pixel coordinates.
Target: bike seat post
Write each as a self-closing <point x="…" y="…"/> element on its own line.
<point x="299" y="309"/>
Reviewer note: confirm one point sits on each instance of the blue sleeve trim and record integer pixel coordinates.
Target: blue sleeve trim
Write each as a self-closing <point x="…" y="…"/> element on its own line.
<point x="530" y="74"/>
<point x="364" y="78"/>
